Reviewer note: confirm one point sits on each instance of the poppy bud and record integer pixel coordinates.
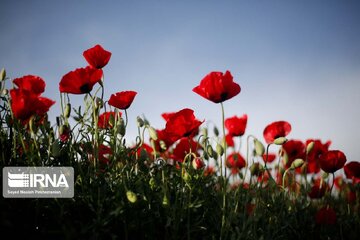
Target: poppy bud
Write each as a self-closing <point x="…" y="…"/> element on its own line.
<point x="162" y="145"/>
<point x="140" y="122"/>
<point x="198" y="163"/>
<point x="259" y="148"/>
<point x="67" y="110"/>
<point x="131" y="196"/>
<point x="256" y="169"/>
<point x="297" y="163"/>
<point x="99" y="103"/>
<point x="2" y="74"/>
<point x="205" y="132"/>
<point x="280" y="140"/>
<point x="121" y="127"/>
<point x="219" y="150"/>
<point x="165" y="201"/>
<point x="5" y="92"/>
<point x="153" y="133"/>
<point x="210" y="151"/>
<point x="216" y="131"/>
<point x="310" y="147"/>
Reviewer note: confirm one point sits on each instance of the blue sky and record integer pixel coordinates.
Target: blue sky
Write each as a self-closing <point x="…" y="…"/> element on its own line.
<point x="294" y="60"/>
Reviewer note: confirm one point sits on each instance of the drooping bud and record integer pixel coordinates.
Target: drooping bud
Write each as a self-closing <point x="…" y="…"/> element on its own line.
<point x="2" y="74"/>
<point x="259" y="148"/>
<point x="140" y="122"/>
<point x="67" y="110"/>
<point x="297" y="163"/>
<point x="280" y="140"/>
<point x="205" y="132"/>
<point x="152" y="133"/>
<point x="131" y="196"/>
<point x="210" y="151"/>
<point x="310" y="147"/>
<point x="198" y="163"/>
<point x="219" y="149"/>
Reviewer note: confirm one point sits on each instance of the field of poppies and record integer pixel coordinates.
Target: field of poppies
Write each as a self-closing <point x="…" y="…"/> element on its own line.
<point x="184" y="181"/>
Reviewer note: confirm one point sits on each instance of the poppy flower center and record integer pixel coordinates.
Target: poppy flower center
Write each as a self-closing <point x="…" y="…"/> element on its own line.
<point x="85" y="88"/>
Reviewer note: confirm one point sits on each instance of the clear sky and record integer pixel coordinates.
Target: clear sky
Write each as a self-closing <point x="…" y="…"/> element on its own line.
<point x="297" y="61"/>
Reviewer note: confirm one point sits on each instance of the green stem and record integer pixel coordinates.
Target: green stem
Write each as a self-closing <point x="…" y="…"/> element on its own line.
<point x="223" y="219"/>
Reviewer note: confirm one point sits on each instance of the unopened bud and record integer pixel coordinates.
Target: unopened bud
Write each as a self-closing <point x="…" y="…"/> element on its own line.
<point x="165" y="201"/>
<point x="216" y="131"/>
<point x="280" y="140"/>
<point x="131" y="196"/>
<point x="162" y="145"/>
<point x="219" y="150"/>
<point x="67" y="110"/>
<point x="198" y="163"/>
<point x="297" y="163"/>
<point x="5" y="92"/>
<point x="210" y="151"/>
<point x="140" y="122"/>
<point x="259" y="148"/>
<point x="121" y="127"/>
<point x="2" y="74"/>
<point x="205" y="132"/>
<point x="152" y="133"/>
<point x="310" y="147"/>
<point x="99" y="103"/>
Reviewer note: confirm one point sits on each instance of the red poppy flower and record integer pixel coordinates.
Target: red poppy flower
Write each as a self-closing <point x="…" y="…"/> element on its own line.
<point x="104" y="154"/>
<point x="107" y="119"/>
<point x="97" y="57"/>
<point x="352" y="171"/>
<point x="145" y="149"/>
<point x="80" y="81"/>
<point x="182" y="124"/>
<point x="235" y="160"/>
<point x="318" y="189"/>
<point x="236" y="125"/>
<point x="184" y="147"/>
<point x="294" y="149"/>
<point x="332" y="161"/>
<point x="30" y="83"/>
<point x="122" y="100"/>
<point x="313" y="157"/>
<point x="218" y="87"/>
<point x="276" y="130"/>
<point x="198" y="163"/>
<point x="270" y="158"/>
<point x="25" y="104"/>
<point x="229" y="140"/>
<point x="167" y="116"/>
<point x="325" y="216"/>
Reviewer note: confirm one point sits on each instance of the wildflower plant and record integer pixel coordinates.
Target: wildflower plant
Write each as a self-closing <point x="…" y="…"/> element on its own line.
<point x="184" y="181"/>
